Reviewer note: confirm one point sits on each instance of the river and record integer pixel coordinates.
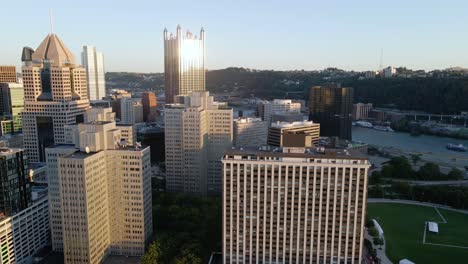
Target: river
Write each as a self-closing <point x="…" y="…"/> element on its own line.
<point x="432" y="147"/>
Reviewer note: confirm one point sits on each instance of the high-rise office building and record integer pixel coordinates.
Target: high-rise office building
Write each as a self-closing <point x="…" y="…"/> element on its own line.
<point x="197" y="132"/>
<point x="8" y="74"/>
<point x="15" y="191"/>
<point x="295" y="134"/>
<point x="331" y="106"/>
<point x="266" y="109"/>
<point x="93" y="62"/>
<point x="250" y="132"/>
<point x="100" y="194"/>
<point x="149" y="101"/>
<point x="115" y="99"/>
<point x="11" y="106"/>
<point x="184" y="63"/>
<point x="293" y="205"/>
<point x="131" y="111"/>
<point x="26" y="233"/>
<point x="55" y="95"/>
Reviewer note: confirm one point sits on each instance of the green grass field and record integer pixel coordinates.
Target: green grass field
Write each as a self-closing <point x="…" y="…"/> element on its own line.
<point x="403" y="227"/>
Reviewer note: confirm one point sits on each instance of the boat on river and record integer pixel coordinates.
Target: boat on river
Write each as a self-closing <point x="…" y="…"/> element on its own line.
<point x="456" y="147"/>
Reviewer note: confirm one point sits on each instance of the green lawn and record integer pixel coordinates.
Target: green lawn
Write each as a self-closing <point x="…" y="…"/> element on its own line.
<point x="455" y="232"/>
<point x="403" y="227"/>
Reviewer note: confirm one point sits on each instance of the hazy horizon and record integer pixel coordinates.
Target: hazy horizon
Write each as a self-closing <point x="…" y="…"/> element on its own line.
<point x="263" y="35"/>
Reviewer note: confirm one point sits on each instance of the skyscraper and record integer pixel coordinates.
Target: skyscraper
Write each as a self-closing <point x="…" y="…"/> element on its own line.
<point x="197" y="132"/>
<point x="149" y="101"/>
<point x="184" y="63"/>
<point x="293" y="205"/>
<point x="332" y="106"/>
<point x="100" y="193"/>
<point x="93" y="62"/>
<point x="8" y="74"/>
<point x="55" y="95"/>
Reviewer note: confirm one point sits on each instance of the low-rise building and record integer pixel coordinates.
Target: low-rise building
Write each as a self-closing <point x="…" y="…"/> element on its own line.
<point x="305" y="133"/>
<point x="250" y="132"/>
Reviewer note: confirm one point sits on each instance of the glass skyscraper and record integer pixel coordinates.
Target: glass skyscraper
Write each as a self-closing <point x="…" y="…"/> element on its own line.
<point x="184" y="63"/>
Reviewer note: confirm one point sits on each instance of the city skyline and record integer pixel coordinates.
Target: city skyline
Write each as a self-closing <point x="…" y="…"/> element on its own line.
<point x="298" y="35"/>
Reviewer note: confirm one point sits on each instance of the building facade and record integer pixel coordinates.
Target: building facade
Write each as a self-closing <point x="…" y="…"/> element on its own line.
<point x="100" y="192"/>
<point x="184" y="63"/>
<point x="266" y="109"/>
<point x="293" y="205"/>
<point x="55" y="94"/>
<point x="11" y="106"/>
<point x="8" y="74"/>
<point x="93" y="62"/>
<point x="305" y="133"/>
<point x="361" y="111"/>
<point x="25" y="233"/>
<point x="131" y="111"/>
<point x="197" y="133"/>
<point x="150" y="102"/>
<point x="15" y="191"/>
<point x="250" y="132"/>
<point x="331" y="106"/>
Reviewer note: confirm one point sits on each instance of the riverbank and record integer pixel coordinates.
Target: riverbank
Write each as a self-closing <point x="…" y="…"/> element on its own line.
<point x="430" y="148"/>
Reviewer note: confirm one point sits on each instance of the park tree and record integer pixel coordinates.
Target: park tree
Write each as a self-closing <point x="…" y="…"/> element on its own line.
<point x="455" y="174"/>
<point x="429" y="171"/>
<point x="152" y="256"/>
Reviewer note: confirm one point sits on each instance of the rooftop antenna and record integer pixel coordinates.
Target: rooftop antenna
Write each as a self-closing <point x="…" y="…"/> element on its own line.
<point x="51" y="21"/>
<point x="381" y="60"/>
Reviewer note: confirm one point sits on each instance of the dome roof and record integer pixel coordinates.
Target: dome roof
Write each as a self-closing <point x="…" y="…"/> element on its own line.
<point x="53" y="50"/>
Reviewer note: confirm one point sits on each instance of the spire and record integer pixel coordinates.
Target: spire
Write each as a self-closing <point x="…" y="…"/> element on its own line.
<point x="51" y="21"/>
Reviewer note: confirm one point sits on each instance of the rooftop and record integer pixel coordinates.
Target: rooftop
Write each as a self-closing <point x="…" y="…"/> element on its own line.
<point x="297" y="153"/>
<point x="52" y="49"/>
<point x="292" y="124"/>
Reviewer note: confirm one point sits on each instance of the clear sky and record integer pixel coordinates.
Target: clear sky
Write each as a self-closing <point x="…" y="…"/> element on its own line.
<point x="261" y="34"/>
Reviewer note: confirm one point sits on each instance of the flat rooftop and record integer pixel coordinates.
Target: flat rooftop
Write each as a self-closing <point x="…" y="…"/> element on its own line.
<point x="318" y="153"/>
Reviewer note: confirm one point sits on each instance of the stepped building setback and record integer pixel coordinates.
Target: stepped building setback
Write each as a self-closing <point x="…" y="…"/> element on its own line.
<point x="55" y="95"/>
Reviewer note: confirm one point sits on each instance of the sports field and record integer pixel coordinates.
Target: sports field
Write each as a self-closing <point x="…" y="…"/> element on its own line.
<point x="404" y="227"/>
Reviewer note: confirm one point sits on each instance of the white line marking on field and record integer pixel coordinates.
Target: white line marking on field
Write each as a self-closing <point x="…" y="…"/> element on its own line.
<point x="441" y="216"/>
<point x="424" y="236"/>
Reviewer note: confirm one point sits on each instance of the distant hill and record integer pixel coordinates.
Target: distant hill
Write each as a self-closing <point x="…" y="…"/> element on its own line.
<point x="441" y="94"/>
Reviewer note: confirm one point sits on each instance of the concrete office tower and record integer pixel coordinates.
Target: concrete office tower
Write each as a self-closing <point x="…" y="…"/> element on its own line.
<point x="295" y="134"/>
<point x="184" y="63"/>
<point x="55" y="94"/>
<point x="131" y="111"/>
<point x="293" y="205"/>
<point x="250" y="132"/>
<point x="93" y="62"/>
<point x="115" y="99"/>
<point x="197" y="132"/>
<point x="8" y="74"/>
<point x="266" y="109"/>
<point x="149" y="101"/>
<point x="100" y="195"/>
<point x="331" y="106"/>
<point x="11" y="106"/>
<point x="25" y="233"/>
<point x="15" y="190"/>
<point x="361" y="111"/>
